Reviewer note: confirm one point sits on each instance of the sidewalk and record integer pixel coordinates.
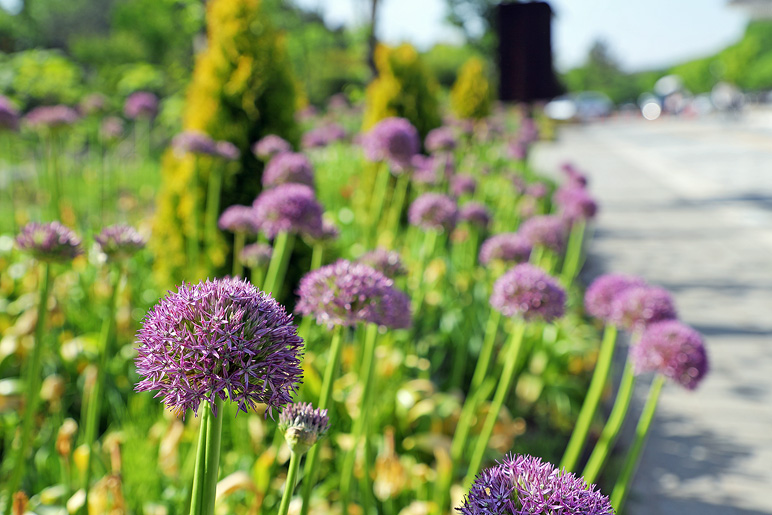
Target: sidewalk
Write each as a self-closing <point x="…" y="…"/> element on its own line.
<point x="688" y="206"/>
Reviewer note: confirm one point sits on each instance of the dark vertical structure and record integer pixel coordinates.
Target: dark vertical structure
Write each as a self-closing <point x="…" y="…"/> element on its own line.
<point x="525" y="53"/>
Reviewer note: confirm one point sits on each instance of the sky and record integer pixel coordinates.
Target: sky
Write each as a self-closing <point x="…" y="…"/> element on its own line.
<point x="641" y="35"/>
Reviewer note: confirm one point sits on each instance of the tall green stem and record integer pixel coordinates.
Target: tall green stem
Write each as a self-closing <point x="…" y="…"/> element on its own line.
<point x="238" y="245"/>
<point x="207" y="460"/>
<point x="426" y="252"/>
<point x="282" y="251"/>
<point x="212" y="207"/>
<point x="289" y="487"/>
<point x="377" y="199"/>
<point x="193" y="237"/>
<point x="572" y="261"/>
<point x="591" y="401"/>
<point x="486" y="351"/>
<point x="614" y="423"/>
<point x="317" y="254"/>
<point x="397" y="202"/>
<point x="622" y="486"/>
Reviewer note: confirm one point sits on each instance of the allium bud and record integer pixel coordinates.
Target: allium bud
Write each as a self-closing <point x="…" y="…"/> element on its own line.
<point x="51" y="242"/>
<point x="600" y="295"/>
<point x="548" y="231"/>
<point x="269" y="146"/>
<point x="433" y="211"/>
<point x="510" y="247"/>
<point x="527" y="291"/>
<point x="141" y="104"/>
<point x="193" y="142"/>
<point x="386" y="261"/>
<point x="674" y="350"/>
<point x="288" y="167"/>
<point x="119" y="242"/>
<point x="639" y="306"/>
<point x="289" y="208"/>
<point x="255" y="255"/>
<point x="239" y="219"/>
<point x="476" y="214"/>
<point x="303" y="426"/>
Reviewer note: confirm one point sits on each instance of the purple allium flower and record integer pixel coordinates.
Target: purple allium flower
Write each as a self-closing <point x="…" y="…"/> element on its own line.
<point x="323" y="136"/>
<point x="674" y="350"/>
<point x="440" y="139"/>
<point x="93" y="103"/>
<point x="345" y="293"/>
<point x="599" y="297"/>
<point x="510" y="247"/>
<point x="462" y="184"/>
<point x="475" y="214"/>
<point x="386" y="261"/>
<point x="227" y="150"/>
<point x="111" y="128"/>
<point x="141" y="104"/>
<point x="51" y="117"/>
<point x="529" y="292"/>
<point x="9" y="115"/>
<point x="288" y="167"/>
<point x="392" y="139"/>
<point x="289" y="208"/>
<point x="433" y="211"/>
<point x="269" y="146"/>
<point x="548" y="231"/>
<point x="50" y="242"/>
<point x="193" y="142"/>
<point x="537" y="190"/>
<point x="638" y="306"/>
<point x="424" y="169"/>
<point x="303" y="426"/>
<point x="255" y="255"/>
<point x="219" y="339"/>
<point x="575" y="204"/>
<point x="330" y="233"/>
<point x="522" y="484"/>
<point x="120" y="242"/>
<point x="239" y="219"/>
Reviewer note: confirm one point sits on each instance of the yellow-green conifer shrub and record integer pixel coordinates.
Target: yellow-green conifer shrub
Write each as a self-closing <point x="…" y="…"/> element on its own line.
<point x="404" y="87"/>
<point x="471" y="95"/>
<point x="242" y="89"/>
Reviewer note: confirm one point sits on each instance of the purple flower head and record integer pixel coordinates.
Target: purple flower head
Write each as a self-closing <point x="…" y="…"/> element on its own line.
<point x="141" y="104"/>
<point x="386" y="261"/>
<point x="303" y="426"/>
<point x="527" y="291"/>
<point x="638" y="306"/>
<point x="93" y="103"/>
<point x="239" y="219"/>
<point x="51" y="242"/>
<point x="288" y="167"/>
<point x="394" y="140"/>
<point x="51" y="117"/>
<point x="599" y="297"/>
<point x="323" y="136"/>
<point x="269" y="146"/>
<point x="219" y="339"/>
<point x="289" y="208"/>
<point x="476" y="214"/>
<point x="345" y="293"/>
<point x="433" y="211"/>
<point x="193" y="142"/>
<point x="548" y="231"/>
<point x="111" y="128"/>
<point x="9" y="115"/>
<point x="120" y="242"/>
<point x="424" y="170"/>
<point x="440" y="139"/>
<point x="575" y="177"/>
<point x="227" y="150"/>
<point x="575" y="204"/>
<point x="255" y="255"/>
<point x="674" y="350"/>
<point x="522" y="484"/>
<point x="462" y="184"/>
<point x="509" y="247"/>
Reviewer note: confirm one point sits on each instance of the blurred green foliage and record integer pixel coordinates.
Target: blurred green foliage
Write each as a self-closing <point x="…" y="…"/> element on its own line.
<point x="471" y="94"/>
<point x="37" y="77"/>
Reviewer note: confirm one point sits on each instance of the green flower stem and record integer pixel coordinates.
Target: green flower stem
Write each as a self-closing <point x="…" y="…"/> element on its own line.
<point x="625" y="479"/>
<point x="426" y="252"/>
<point x="507" y="378"/>
<point x="277" y="268"/>
<point x="486" y="351"/>
<point x="317" y="253"/>
<point x="289" y="487"/>
<point x="611" y="430"/>
<point x="238" y="245"/>
<point x="573" y="259"/>
<point x="207" y="460"/>
<point x="377" y="198"/>
<point x="591" y="401"/>
<point x="397" y="202"/>
<point x="193" y="240"/>
<point x="212" y="208"/>
<point x="258" y="276"/>
<point x="32" y="392"/>
<point x="312" y="461"/>
<point x="360" y="422"/>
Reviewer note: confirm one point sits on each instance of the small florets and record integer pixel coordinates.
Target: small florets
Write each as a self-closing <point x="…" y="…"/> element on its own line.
<point x="674" y="350"/>
<point x="528" y="292"/>
<point x="289" y="208"/>
<point x="51" y="242"/>
<point x="303" y="425"/>
<point x="510" y="247"/>
<point x="288" y="167"/>
<point x="120" y="242"/>
<point x="600" y="295"/>
<point x="433" y="211"/>
<point x="639" y="306"/>
<point x="548" y="231"/>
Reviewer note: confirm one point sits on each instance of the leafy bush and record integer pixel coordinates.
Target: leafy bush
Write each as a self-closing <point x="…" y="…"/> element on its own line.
<point x="471" y="94"/>
<point x="36" y="77"/>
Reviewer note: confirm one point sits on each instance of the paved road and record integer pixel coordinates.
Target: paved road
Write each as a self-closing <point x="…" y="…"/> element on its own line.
<point x="688" y="205"/>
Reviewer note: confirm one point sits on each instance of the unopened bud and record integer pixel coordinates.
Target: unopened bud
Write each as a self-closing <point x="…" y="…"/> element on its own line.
<point x="65" y="436"/>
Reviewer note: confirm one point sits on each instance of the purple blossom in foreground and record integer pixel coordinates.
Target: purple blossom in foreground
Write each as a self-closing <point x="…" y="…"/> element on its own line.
<point x="120" y="242"/>
<point x="548" y="231"/>
<point x="476" y="214"/>
<point x="440" y="139"/>
<point x="193" y="142"/>
<point x="219" y="339"/>
<point x="674" y="350"/>
<point x="522" y="484"/>
<point x="255" y="255"/>
<point x="141" y="104"/>
<point x="289" y="208"/>
<point x="303" y="425"/>
<point x="239" y="219"/>
<point x="227" y="150"/>
<point x="433" y="211"/>
<point x="600" y="295"/>
<point x="9" y="115"/>
<point x="509" y="247"/>
<point x="575" y="204"/>
<point x="345" y="293"/>
<point x="269" y="146"/>
<point x="50" y="242"/>
<point x="527" y="291"/>
<point x="386" y="261"/>
<point x="392" y="139"/>
<point x="462" y="184"/>
<point x="51" y="117"/>
<point x="638" y="306"/>
<point x="288" y="167"/>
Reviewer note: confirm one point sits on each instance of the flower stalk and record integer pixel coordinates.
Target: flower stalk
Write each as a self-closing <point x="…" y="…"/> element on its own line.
<point x="207" y="459"/>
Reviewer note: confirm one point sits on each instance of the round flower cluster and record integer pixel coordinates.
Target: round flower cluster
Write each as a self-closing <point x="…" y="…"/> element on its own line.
<point x="433" y="211"/>
<point x="548" y="231"/>
<point x="461" y="184"/>
<point x="475" y="214"/>
<point x="51" y="117"/>
<point x="638" y="306"/>
<point x="674" y="350"/>
<point x="269" y="146"/>
<point x="575" y="204"/>
<point x="193" y="142"/>
<point x="303" y="426"/>
<point x="239" y="219"/>
<point x="288" y="167"/>
<point x="141" y="104"/>
<point x="227" y="150"/>
<point x="386" y="261"/>
<point x="599" y="297"/>
<point x="288" y="208"/>
<point x="440" y="139"/>
<point x="345" y="293"/>
<point x="509" y="247"/>
<point x="51" y="242"/>
<point x="120" y="242"/>
<point x="394" y="140"/>
<point x="527" y="291"/>
<point x="256" y="254"/>
<point x="219" y="339"/>
<point x="323" y="136"/>
<point x="424" y="170"/>
<point x="522" y="484"/>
